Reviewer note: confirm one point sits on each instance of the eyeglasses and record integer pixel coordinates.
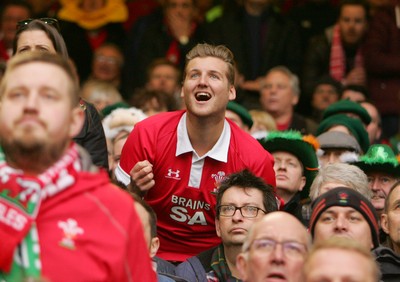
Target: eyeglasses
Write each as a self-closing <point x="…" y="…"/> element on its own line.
<point x="291" y="249"/>
<point x="245" y="211"/>
<point x="50" y="21"/>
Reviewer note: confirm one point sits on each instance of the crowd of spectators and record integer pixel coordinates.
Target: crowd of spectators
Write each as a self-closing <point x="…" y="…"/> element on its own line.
<point x="257" y="138"/>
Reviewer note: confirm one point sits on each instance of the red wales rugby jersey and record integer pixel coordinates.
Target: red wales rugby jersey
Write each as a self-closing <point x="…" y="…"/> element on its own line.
<point x="184" y="193"/>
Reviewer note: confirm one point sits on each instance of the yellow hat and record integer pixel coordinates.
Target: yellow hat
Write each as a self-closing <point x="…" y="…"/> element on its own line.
<point x="114" y="11"/>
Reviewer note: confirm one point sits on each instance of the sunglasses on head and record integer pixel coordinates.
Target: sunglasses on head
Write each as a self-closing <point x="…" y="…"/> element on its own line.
<point x="50" y="21"/>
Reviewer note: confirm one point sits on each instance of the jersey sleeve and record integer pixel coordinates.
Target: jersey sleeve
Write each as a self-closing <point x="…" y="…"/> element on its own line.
<point x="268" y="172"/>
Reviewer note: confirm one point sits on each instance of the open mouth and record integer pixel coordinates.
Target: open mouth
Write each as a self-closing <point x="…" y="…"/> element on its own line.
<point x="202" y="96"/>
<point x="277" y="276"/>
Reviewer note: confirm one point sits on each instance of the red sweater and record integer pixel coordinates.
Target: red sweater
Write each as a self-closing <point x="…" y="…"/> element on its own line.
<point x="91" y="232"/>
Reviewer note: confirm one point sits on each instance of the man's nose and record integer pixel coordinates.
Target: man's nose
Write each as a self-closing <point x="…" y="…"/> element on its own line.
<point x="341" y="224"/>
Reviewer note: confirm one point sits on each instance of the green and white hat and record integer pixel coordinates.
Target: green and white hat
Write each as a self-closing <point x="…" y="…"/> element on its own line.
<point x="303" y="147"/>
<point x="380" y="157"/>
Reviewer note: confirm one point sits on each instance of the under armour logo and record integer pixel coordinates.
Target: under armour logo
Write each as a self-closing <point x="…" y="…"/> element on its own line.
<point x="173" y="174"/>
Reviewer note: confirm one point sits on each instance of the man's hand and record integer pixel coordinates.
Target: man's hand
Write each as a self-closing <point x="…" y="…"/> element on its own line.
<point x="356" y="76"/>
<point x="142" y="177"/>
<point x="179" y="25"/>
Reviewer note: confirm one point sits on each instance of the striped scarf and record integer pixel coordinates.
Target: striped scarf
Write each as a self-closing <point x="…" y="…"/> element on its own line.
<point x="220" y="269"/>
<point x="337" y="65"/>
<point x="20" y="199"/>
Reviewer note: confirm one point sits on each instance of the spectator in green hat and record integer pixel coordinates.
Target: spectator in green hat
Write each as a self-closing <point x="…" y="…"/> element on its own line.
<point x="350" y="108"/>
<point x="346" y="124"/>
<point x="382" y="168"/>
<point x="296" y="165"/>
<point x="239" y="115"/>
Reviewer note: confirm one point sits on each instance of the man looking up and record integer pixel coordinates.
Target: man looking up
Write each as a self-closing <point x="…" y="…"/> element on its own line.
<point x="274" y="250"/>
<point x="179" y="158"/>
<point x="60" y="216"/>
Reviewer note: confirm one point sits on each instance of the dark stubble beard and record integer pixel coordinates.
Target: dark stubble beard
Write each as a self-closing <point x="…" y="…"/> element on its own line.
<point x="34" y="157"/>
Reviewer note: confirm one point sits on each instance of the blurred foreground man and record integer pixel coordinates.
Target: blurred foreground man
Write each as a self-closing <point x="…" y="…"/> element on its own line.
<point x="59" y="217"/>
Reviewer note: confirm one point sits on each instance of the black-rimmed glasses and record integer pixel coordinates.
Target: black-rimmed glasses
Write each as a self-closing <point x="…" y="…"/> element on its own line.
<point x="50" y="21"/>
<point x="245" y="211"/>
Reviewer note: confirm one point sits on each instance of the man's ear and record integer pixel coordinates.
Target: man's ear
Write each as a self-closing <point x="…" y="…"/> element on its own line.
<point x="154" y="245"/>
<point x="232" y="93"/>
<point x="77" y="121"/>
<point x="241" y="265"/>
<point x="385" y="223"/>
<point x="295" y="100"/>
<point x="303" y="183"/>
<point x="217" y="227"/>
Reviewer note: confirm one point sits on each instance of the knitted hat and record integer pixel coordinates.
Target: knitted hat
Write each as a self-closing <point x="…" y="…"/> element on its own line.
<point x="338" y="140"/>
<point x="241" y="112"/>
<point x="303" y="147"/>
<point x="121" y="119"/>
<point x="380" y="157"/>
<point x="346" y="197"/>
<point x="347" y="107"/>
<point x="354" y="125"/>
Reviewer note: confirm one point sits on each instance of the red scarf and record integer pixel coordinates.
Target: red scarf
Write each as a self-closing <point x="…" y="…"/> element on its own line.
<point x="337" y="65"/>
<point x="22" y="195"/>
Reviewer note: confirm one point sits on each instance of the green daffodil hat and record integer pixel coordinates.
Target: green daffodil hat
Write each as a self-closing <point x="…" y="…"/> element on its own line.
<point x="304" y="147"/>
<point x="380" y="157"/>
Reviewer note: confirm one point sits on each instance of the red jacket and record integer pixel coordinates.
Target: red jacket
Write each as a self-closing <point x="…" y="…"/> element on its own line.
<point x="91" y="232"/>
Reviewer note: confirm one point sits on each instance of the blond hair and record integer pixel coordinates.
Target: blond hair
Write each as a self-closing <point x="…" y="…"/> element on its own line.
<point x="345" y="244"/>
<point x="220" y="51"/>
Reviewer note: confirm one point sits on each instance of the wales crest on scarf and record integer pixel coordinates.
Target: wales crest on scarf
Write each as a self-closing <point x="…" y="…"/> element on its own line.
<point x="20" y="199"/>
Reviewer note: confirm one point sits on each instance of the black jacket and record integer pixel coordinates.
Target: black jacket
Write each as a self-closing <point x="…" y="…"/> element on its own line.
<point x="389" y="264"/>
<point x="92" y="136"/>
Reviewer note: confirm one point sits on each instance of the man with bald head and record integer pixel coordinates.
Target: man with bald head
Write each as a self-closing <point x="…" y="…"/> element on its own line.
<point x="275" y="248"/>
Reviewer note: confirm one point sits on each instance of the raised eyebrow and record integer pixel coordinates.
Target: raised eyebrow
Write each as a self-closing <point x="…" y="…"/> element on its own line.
<point x="329" y="212"/>
<point x="396" y="202"/>
<point x="17" y="88"/>
<point x="53" y="90"/>
<point x="264" y="238"/>
<point x="215" y="72"/>
<point x="43" y="46"/>
<point x="353" y="212"/>
<point x="243" y="205"/>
